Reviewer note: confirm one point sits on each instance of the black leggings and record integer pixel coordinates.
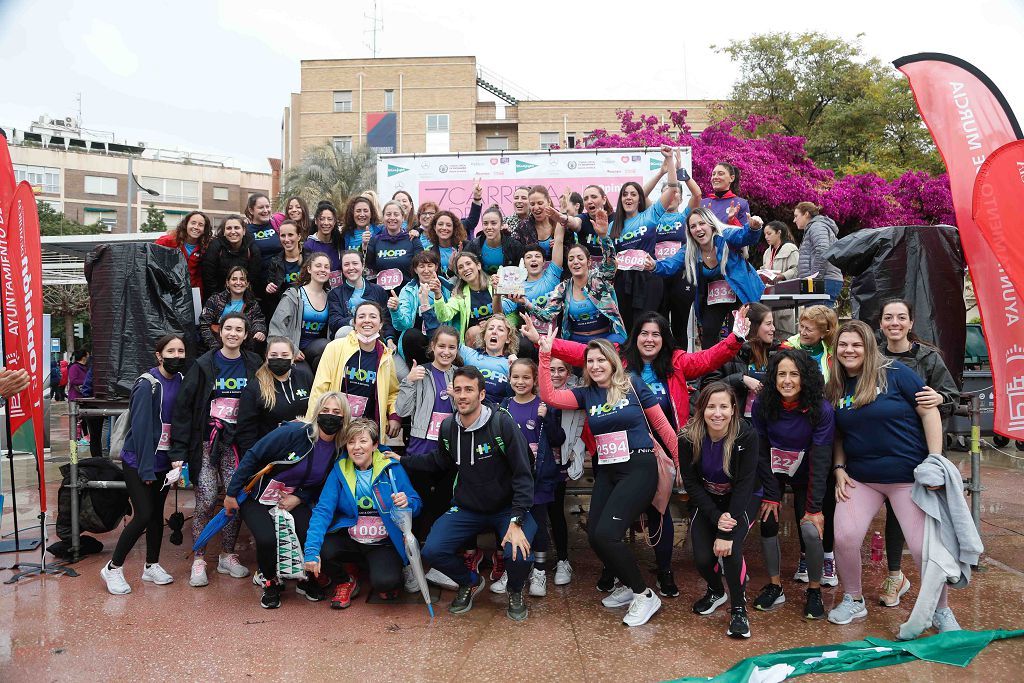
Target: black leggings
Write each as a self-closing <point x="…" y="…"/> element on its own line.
<point x="770" y="528"/>
<point x="313" y="351"/>
<point x="383" y="562"/>
<point x="704" y="531"/>
<point x="147" y="516"/>
<point x="93" y="426"/>
<point x="828" y="508"/>
<point x="541" y="539"/>
<point x="675" y="305"/>
<point x="435" y="489"/>
<point x="257" y="517"/>
<point x="711" y="320"/>
<point x="664" y="535"/>
<point x="559" y="528"/>
<point x="621" y="492"/>
<point x="633" y="303"/>
<point x="893" y="539"/>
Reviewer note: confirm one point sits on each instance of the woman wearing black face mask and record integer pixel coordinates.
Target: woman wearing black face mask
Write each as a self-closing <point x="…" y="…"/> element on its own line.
<point x="280" y="394"/>
<point x="146" y="463"/>
<point x="287" y="469"/>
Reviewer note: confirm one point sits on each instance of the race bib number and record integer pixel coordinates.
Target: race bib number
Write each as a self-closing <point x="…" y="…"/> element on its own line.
<point x="357" y="404"/>
<point x="390" y="278"/>
<point x="224" y="409"/>
<point x="631" y="259"/>
<point x="434" y="428"/>
<point x="164" y="444"/>
<point x="786" y="462"/>
<point x="719" y="292"/>
<point x="663" y="250"/>
<point x="612" y="448"/>
<point x="368" y="529"/>
<point x="337" y="278"/>
<point x="275" y="492"/>
<point x="543" y="326"/>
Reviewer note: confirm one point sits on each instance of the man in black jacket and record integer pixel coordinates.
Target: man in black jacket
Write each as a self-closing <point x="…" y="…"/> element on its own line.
<point x="493" y="490"/>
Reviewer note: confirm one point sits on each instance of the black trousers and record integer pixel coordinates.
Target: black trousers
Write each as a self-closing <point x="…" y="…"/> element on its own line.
<point x="382" y="560"/>
<point x="675" y="305"/>
<point x="704" y="531"/>
<point x="622" y="491"/>
<point x="257" y="517"/>
<point x="148" y="516"/>
<point x="893" y="539"/>
<point x="559" y="527"/>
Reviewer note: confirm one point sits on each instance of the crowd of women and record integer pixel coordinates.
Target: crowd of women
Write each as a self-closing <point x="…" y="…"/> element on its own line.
<point x="357" y="360"/>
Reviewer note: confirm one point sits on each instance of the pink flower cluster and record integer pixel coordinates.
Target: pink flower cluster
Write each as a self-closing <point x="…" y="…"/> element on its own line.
<point x="776" y="173"/>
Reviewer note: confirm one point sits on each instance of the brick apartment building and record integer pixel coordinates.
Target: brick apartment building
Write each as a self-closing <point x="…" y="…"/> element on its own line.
<point x="433" y="105"/>
<point x="85" y="176"/>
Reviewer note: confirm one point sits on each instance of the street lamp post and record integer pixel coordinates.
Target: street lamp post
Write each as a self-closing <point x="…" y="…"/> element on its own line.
<point x="133" y="183"/>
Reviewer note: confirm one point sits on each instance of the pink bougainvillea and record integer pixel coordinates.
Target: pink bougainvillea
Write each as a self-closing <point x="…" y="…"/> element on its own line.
<point x="776" y="173"/>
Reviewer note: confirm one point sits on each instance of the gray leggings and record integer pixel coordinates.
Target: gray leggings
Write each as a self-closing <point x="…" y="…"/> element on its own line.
<point x="810" y="542"/>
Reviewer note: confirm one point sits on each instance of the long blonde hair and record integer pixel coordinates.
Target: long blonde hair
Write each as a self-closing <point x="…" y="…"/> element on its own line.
<point x="346" y="416"/>
<point x="693" y="249"/>
<point x="873" y="377"/>
<point x="619" y="387"/>
<point x="266" y="379"/>
<point x="696" y="429"/>
<point x="511" y="343"/>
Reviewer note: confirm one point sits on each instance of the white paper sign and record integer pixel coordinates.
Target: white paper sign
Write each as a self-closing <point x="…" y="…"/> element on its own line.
<point x="511" y="280"/>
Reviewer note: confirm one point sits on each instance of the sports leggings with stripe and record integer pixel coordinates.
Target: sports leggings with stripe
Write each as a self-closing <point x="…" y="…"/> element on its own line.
<point x="703" y="531"/>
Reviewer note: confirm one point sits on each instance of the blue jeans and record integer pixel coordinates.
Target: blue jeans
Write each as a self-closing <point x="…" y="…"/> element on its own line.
<point x="833" y="288"/>
<point x="451" y="532"/>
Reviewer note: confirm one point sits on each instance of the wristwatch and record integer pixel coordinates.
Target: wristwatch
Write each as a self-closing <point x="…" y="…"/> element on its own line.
<point x="517" y="520"/>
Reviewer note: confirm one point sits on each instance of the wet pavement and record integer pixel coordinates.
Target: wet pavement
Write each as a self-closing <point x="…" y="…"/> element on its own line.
<point x="62" y="628"/>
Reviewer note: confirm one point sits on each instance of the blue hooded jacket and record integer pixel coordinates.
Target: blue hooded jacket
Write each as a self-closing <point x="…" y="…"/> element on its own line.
<point x="337" y="508"/>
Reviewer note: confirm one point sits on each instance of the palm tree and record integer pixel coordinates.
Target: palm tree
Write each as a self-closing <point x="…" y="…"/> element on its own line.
<point x="327" y="174"/>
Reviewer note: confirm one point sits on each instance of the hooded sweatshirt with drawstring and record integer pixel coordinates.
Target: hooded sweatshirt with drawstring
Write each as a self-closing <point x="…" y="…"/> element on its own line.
<point x="492" y="459"/>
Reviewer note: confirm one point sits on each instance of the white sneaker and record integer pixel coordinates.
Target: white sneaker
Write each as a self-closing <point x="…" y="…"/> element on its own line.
<point x="198" y="577"/>
<point x="114" y="576"/>
<point x="563" y="573"/>
<point x="409" y="579"/>
<point x="538" y="583"/>
<point x="501" y="585"/>
<point x="229" y="564"/>
<point x="620" y="597"/>
<point x="438" y="579"/>
<point x="642" y="608"/>
<point x="257" y="579"/>
<point x="157" y="574"/>
<point x="848" y="610"/>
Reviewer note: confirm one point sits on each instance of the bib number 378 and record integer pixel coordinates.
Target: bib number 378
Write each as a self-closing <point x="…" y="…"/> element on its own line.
<point x="612" y="448"/>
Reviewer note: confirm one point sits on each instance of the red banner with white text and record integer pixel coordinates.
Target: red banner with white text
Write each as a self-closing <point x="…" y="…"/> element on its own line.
<point x="969" y="119"/>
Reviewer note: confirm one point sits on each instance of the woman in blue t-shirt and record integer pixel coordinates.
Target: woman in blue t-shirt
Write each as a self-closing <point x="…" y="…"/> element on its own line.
<point x="447" y="237"/>
<point x="619" y="407"/>
<point x="327" y="239"/>
<point x="303" y="314"/>
<point x="718" y="453"/>
<point x="284" y="268"/>
<point x="491" y="353"/>
<point x="146" y="464"/>
<point x="795" y="426"/>
<point x="260" y="227"/>
<point x="235" y="298"/>
<point x="361" y="222"/>
<point x="882" y="435"/>
<point x="203" y="434"/>
<point x="492" y="246"/>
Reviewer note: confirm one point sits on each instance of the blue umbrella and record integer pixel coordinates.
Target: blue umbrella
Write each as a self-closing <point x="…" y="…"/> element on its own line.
<point x="215" y="525"/>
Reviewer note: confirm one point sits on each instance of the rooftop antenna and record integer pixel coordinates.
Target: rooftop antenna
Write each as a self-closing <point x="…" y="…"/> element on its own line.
<point x="376" y="26"/>
<point x="78" y="98"/>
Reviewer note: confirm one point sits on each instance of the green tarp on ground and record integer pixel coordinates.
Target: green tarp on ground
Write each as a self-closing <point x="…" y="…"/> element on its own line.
<point x="956" y="648"/>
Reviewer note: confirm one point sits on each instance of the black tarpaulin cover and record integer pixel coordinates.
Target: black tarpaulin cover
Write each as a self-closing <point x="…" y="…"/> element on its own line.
<point x="137" y="293"/>
<point x="922" y="264"/>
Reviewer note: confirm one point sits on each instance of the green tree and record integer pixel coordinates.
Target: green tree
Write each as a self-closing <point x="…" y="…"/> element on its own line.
<point x="323" y="173"/>
<point x="857" y="114"/>
<point x="66" y="303"/>
<point x="55" y="223"/>
<point x="154" y="220"/>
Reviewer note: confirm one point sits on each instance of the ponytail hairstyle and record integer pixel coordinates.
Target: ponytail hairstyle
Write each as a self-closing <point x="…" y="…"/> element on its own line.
<point x="911" y="335"/>
<point x="527" y="363"/>
<point x="265" y="377"/>
<point x="734" y="186"/>
<point x="250" y="205"/>
<point x="810" y="208"/>
<point x="696" y="429"/>
<point x="247" y="295"/>
<point x="607" y="204"/>
<point x="305" y="276"/>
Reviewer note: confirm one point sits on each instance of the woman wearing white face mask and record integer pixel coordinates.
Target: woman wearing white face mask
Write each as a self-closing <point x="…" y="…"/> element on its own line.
<point x="147" y="465"/>
<point x="362" y="368"/>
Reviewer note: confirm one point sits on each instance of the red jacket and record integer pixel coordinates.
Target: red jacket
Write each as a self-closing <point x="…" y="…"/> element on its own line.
<point x="194" y="274"/>
<point x="686" y="366"/>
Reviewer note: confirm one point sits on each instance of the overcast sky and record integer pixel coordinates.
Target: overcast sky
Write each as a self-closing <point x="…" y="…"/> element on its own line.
<point x="214" y="76"/>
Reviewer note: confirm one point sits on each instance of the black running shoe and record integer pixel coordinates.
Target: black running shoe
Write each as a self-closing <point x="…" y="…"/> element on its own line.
<point x="814" y="609"/>
<point x="463" y="601"/>
<point x="606" y="584"/>
<point x="667" y="584"/>
<point x="311" y="589"/>
<point x="739" y="625"/>
<point x="271" y="595"/>
<point x="516" y="607"/>
<point x="771" y="597"/>
<point x="709" y="603"/>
